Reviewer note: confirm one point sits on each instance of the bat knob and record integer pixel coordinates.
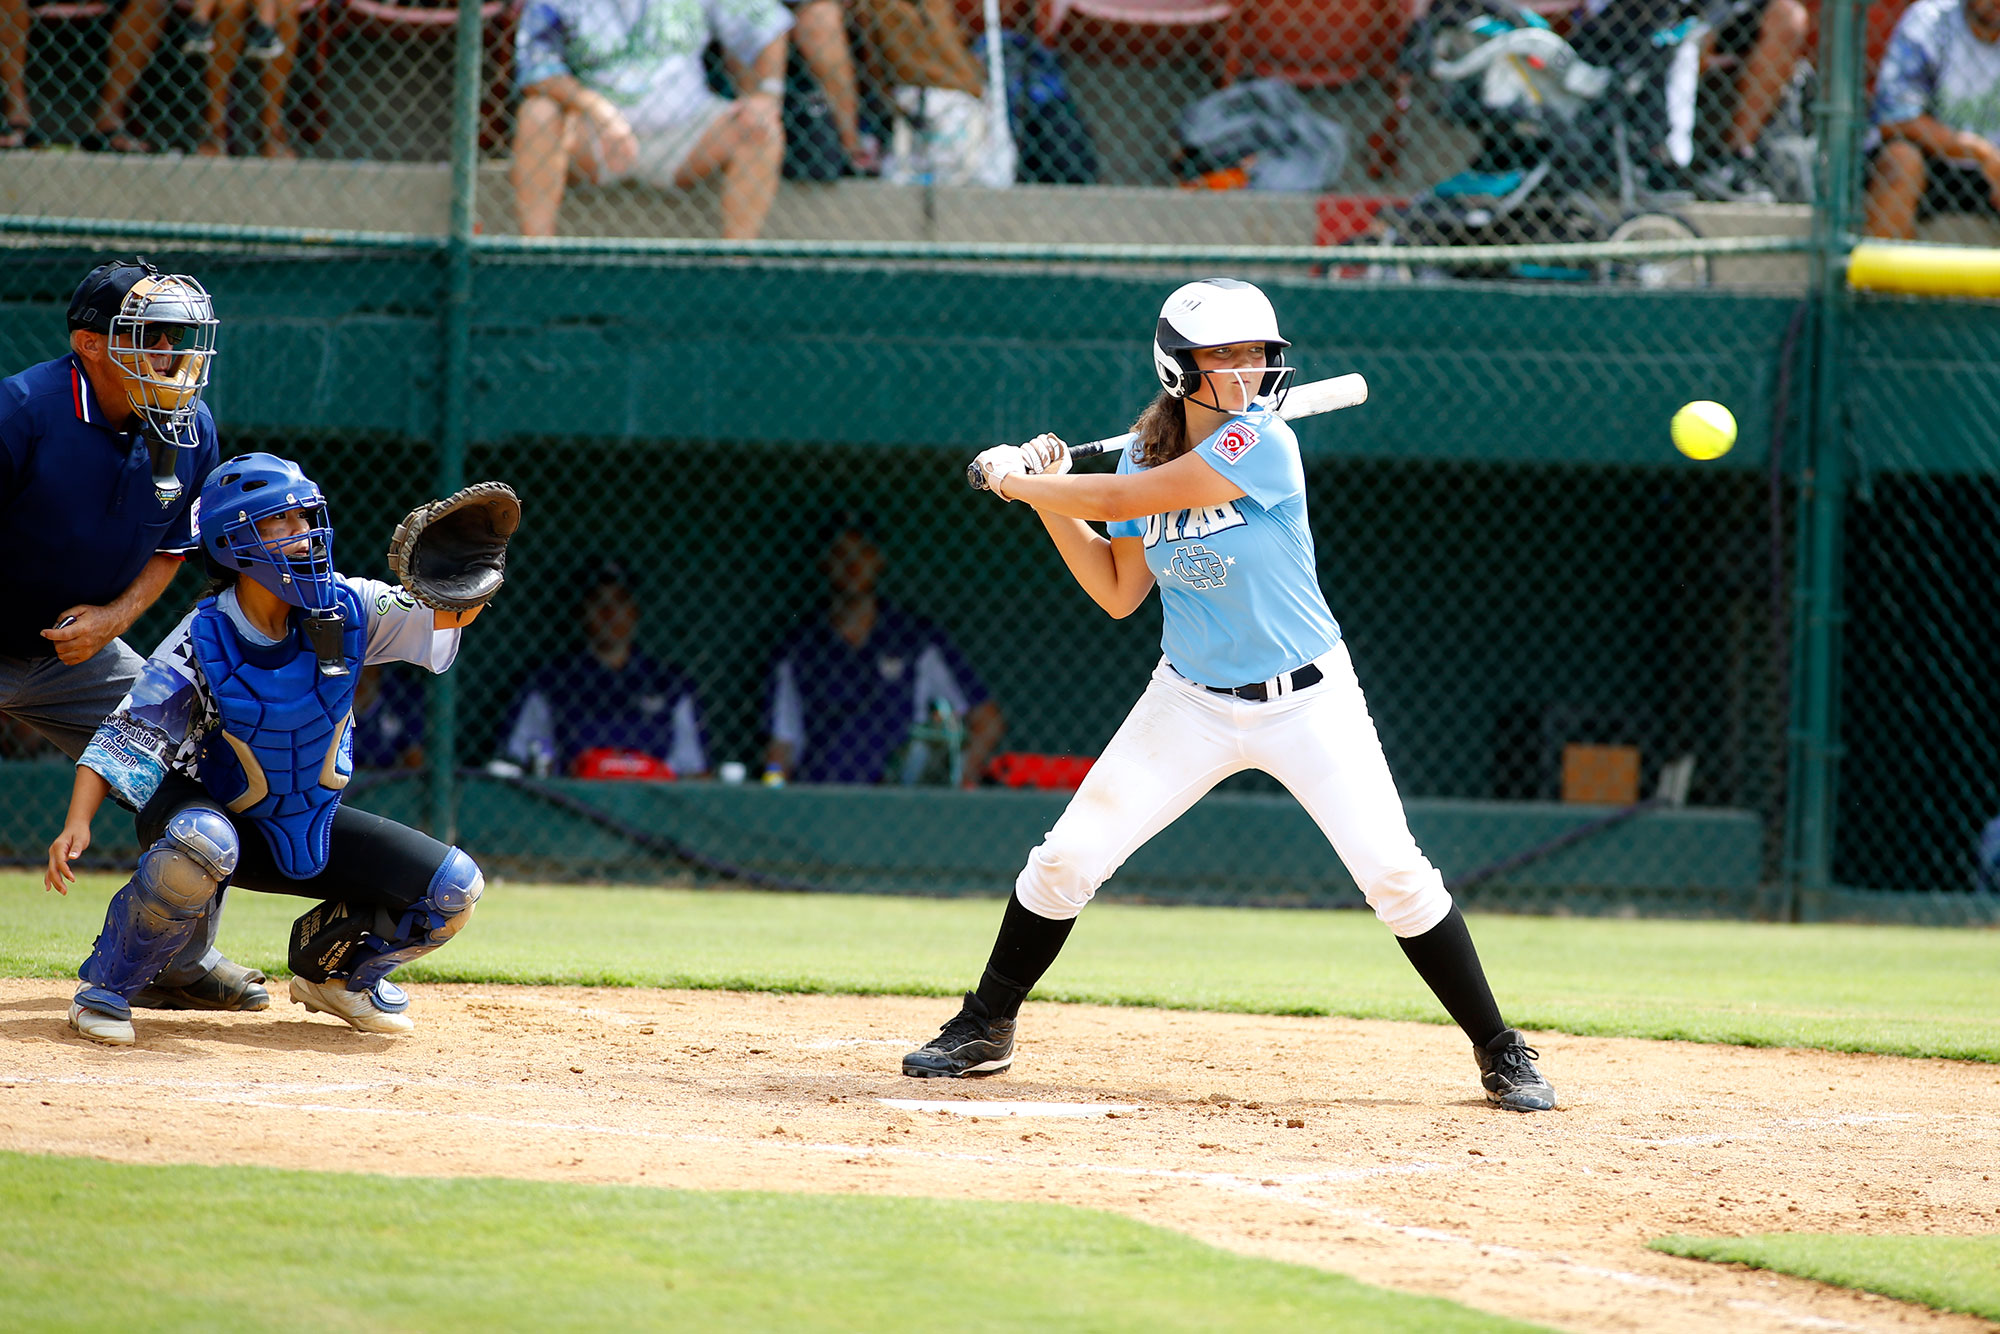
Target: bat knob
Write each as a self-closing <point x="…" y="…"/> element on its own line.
<point x="975" y="478"/>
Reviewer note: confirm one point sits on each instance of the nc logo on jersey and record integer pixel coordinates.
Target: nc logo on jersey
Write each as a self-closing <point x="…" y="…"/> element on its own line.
<point x="1235" y="441"/>
<point x="1198" y="567"/>
<point x="1202" y="522"/>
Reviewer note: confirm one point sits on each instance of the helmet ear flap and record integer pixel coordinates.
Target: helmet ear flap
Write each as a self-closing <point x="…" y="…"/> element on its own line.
<point x="1179" y="376"/>
<point x="1274" y="359"/>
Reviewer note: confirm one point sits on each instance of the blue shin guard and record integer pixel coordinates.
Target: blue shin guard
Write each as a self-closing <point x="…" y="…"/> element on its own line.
<point x="429" y="923"/>
<point x="160" y="908"/>
<point x="362" y="948"/>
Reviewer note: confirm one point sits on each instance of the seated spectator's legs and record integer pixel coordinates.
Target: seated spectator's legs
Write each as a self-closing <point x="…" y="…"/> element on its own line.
<point x="748" y="143"/>
<point x="820" y="32"/>
<point x="1781" y="38"/>
<point x="542" y="132"/>
<point x="554" y="147"/>
<point x="1895" y="189"/>
<point x="19" y="123"/>
<point x="135" y="34"/>
<point x="277" y="78"/>
<point x="226" y="31"/>
<point x="232" y="36"/>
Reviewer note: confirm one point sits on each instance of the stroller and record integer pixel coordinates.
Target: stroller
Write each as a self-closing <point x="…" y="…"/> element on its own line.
<point x="1558" y="122"/>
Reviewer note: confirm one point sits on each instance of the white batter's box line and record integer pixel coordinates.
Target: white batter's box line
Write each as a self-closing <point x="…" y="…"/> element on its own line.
<point x="1790" y="1317"/>
<point x="216" y="1085"/>
<point x="999" y="1109"/>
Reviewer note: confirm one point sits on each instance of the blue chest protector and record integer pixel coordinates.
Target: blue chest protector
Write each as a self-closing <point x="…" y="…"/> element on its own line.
<point x="285" y="748"/>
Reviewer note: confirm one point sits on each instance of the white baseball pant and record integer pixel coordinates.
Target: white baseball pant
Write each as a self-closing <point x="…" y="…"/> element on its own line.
<point x="1180" y="740"/>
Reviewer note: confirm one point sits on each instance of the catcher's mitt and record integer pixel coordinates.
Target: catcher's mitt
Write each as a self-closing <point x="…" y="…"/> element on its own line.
<point x="452" y="553"/>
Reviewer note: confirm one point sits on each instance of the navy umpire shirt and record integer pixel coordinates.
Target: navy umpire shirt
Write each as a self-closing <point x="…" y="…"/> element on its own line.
<point x="78" y="514"/>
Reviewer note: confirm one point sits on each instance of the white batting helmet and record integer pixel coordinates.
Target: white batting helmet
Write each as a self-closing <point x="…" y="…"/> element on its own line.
<point x="1215" y="312"/>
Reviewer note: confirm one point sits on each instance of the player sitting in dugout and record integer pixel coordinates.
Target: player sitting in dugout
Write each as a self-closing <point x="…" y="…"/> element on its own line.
<point x="607" y="711"/>
<point x="850" y="685"/>
<point x="615" y="92"/>
<point x="234" y="745"/>
<point x="1937" y="110"/>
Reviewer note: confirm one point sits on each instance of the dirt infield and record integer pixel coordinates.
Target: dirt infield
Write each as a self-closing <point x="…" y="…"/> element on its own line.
<point x="1359" y="1147"/>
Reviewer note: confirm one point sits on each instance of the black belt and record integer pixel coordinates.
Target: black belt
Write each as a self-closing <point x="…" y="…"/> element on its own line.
<point x="1308" y="675"/>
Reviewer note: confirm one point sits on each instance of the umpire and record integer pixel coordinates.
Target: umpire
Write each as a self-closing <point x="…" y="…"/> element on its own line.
<point x="102" y="453"/>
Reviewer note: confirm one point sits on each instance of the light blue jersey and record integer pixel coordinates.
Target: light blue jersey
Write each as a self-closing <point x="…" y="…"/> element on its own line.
<point x="1239" y="591"/>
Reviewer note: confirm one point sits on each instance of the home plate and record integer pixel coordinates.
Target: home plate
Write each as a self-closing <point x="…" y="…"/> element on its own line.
<point x="1010" y="1108"/>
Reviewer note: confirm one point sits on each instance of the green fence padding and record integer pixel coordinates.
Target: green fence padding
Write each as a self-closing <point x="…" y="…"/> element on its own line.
<point x="1229" y="848"/>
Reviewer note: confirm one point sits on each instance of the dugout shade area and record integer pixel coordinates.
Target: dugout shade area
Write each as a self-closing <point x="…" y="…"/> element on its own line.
<point x="1520" y="560"/>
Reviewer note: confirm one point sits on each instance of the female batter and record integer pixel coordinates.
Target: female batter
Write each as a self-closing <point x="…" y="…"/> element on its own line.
<point x="1209" y="503"/>
<point x="233" y="747"/>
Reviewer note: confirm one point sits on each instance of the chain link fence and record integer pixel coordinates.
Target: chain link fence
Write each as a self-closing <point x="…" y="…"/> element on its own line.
<point x="750" y="553"/>
<point x="1340" y="123"/>
<point x="1920" y="768"/>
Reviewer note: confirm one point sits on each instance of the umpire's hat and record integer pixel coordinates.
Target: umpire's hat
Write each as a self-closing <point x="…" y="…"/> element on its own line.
<point x="101" y="294"/>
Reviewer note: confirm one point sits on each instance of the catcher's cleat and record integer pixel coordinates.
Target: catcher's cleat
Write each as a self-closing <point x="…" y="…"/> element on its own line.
<point x="971" y="1043"/>
<point x="364" y="1010"/>
<point x="227" y="986"/>
<point x="98" y="1026"/>
<point x="1507" y="1069"/>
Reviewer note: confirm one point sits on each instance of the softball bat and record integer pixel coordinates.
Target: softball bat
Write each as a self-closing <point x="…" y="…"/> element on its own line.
<point x="1307" y="400"/>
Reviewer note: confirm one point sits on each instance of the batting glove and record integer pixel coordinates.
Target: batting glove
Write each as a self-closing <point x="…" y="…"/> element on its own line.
<point x="1045" y="456"/>
<point x="1000" y="462"/>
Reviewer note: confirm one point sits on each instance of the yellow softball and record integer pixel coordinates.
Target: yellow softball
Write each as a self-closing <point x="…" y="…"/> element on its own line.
<point x="1704" y="430"/>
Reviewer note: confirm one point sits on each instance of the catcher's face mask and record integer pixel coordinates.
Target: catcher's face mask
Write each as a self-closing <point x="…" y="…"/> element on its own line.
<point x="293" y="560"/>
<point x="264" y="518"/>
<point x="162" y="340"/>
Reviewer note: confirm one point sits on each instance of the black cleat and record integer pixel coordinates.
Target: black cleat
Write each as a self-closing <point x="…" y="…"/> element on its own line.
<point x="972" y="1043"/>
<point x="227" y="986"/>
<point x="1507" y="1069"/>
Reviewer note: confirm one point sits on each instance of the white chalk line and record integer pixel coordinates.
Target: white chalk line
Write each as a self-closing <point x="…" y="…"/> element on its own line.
<point x="1004" y="1109"/>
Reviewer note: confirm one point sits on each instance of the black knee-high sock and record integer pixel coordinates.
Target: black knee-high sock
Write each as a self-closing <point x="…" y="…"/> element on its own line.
<point x="1448" y="963"/>
<point x="1027" y="944"/>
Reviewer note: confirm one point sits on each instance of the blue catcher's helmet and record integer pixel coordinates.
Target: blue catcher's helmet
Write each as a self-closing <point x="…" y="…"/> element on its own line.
<point x="250" y="487"/>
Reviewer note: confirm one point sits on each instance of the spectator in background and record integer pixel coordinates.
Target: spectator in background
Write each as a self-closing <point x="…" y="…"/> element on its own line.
<point x="848" y="686"/>
<point x="609" y="711"/>
<point x="1937" y="109"/>
<point x="916" y="51"/>
<point x="17" y="130"/>
<point x="388" y="719"/>
<point x="819" y="30"/>
<point x="135" y="35"/>
<point x="614" y="92"/>
<point x="218" y="31"/>
<point x="1986" y="869"/>
<point x="1768" y="37"/>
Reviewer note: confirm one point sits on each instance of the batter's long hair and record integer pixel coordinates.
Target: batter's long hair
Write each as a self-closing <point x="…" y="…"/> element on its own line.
<point x="1162" y="431"/>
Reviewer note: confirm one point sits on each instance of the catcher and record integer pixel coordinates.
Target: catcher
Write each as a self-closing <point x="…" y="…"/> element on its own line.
<point x="234" y="744"/>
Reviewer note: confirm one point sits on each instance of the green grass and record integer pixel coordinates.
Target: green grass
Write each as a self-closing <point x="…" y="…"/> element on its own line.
<point x="1949" y="1273"/>
<point x="340" y="1251"/>
<point x="1907" y="991"/>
